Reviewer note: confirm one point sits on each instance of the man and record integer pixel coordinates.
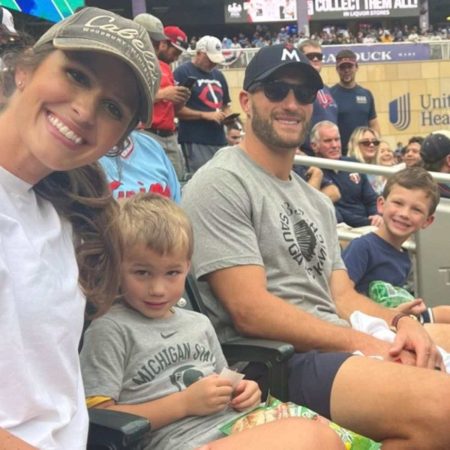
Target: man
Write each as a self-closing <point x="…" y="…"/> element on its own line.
<point x="357" y="206"/>
<point x="169" y="43"/>
<point x="356" y="105"/>
<point x="411" y="151"/>
<point x="201" y="131"/>
<point x="324" y="107"/>
<point x="435" y="154"/>
<point x="269" y="262"/>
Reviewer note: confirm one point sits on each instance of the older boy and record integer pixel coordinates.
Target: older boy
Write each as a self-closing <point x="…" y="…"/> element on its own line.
<point x="149" y="358"/>
<point x="407" y="205"/>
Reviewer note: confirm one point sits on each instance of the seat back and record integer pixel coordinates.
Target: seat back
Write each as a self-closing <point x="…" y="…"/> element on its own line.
<point x="433" y="258"/>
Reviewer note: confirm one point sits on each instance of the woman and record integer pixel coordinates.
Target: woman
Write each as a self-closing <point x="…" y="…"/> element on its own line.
<point x="384" y="157"/>
<point x="79" y="91"/>
<point x="363" y="145"/>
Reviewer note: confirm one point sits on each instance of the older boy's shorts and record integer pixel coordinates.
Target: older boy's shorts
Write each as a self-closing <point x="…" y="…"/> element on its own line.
<point x="311" y="377"/>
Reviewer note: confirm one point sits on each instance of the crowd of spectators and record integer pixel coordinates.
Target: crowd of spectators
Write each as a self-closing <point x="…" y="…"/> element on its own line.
<point x="331" y="35"/>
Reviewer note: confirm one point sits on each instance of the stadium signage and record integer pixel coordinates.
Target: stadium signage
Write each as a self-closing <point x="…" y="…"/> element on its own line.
<point x="367" y="53"/>
<point x="347" y="9"/>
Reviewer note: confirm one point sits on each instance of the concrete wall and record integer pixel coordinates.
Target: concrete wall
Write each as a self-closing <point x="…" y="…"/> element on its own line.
<point x="427" y="83"/>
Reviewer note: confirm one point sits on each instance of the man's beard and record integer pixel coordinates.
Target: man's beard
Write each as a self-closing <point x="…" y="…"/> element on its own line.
<point x="264" y="130"/>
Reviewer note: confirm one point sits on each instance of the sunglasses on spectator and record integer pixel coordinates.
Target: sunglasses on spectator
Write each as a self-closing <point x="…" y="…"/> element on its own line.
<point x="276" y="91"/>
<point x="313" y="55"/>
<point x="368" y="142"/>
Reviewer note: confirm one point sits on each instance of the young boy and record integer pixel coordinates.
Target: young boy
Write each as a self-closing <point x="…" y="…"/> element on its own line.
<point x="149" y="358"/>
<point x="409" y="200"/>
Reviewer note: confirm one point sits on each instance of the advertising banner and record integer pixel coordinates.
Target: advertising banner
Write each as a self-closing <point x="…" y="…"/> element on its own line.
<point x="260" y="11"/>
<point x="371" y="53"/>
<point x="361" y="9"/>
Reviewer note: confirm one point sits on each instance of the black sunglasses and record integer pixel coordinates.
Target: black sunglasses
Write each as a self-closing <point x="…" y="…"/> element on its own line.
<point x="314" y="55"/>
<point x="276" y="91"/>
<point x="367" y="142"/>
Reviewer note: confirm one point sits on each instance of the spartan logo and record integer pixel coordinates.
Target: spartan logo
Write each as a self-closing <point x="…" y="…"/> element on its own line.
<point x="291" y="54"/>
<point x="400" y="112"/>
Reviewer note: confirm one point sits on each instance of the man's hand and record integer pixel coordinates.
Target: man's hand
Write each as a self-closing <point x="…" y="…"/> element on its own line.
<point x="246" y="395"/>
<point x="376" y="220"/>
<point x="208" y="395"/>
<point x="178" y="95"/>
<point x="314" y="173"/>
<point x="214" y="116"/>
<point x="411" y="336"/>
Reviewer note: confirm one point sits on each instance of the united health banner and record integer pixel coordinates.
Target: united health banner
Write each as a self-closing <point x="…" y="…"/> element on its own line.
<point x="52" y="10"/>
<point x="361" y="9"/>
<point x="260" y="11"/>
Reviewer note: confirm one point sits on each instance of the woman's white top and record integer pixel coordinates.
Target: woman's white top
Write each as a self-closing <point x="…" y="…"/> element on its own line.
<point x="41" y="320"/>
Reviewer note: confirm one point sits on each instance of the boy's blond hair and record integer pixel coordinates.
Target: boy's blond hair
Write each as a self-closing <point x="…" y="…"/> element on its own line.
<point x="156" y="222"/>
<point x="415" y="178"/>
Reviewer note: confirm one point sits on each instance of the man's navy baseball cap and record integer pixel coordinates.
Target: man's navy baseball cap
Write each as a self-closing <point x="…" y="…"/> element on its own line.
<point x="270" y="59"/>
<point x="435" y="147"/>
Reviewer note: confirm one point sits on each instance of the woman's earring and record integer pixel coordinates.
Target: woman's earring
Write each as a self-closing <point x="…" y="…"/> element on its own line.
<point x="20" y="84"/>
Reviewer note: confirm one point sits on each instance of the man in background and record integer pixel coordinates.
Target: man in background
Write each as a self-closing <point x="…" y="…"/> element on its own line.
<point x="356" y="105"/>
<point x="435" y="154"/>
<point x="169" y="44"/>
<point x="324" y="107"/>
<point x="201" y="131"/>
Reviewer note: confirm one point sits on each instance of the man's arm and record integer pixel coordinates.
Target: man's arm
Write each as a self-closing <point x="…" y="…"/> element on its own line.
<point x="258" y="313"/>
<point x="375" y="125"/>
<point x="178" y="95"/>
<point x="186" y="113"/>
<point x="332" y="191"/>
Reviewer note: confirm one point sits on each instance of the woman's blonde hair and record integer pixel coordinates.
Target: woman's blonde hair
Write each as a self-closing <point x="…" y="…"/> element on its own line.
<point x="353" y="143"/>
<point x="157" y="223"/>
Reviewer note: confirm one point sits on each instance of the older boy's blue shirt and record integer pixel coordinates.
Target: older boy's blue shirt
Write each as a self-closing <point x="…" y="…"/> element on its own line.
<point x="370" y="258"/>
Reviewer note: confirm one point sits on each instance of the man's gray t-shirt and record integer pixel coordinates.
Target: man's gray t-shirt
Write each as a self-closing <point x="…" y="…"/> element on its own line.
<point x="133" y="359"/>
<point x="242" y="215"/>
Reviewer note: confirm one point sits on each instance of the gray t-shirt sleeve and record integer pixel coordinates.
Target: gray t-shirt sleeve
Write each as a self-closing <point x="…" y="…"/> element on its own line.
<point x="103" y="359"/>
<point x="222" y="217"/>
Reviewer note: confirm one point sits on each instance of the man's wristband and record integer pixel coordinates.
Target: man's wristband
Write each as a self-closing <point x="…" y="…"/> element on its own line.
<point x="396" y="319"/>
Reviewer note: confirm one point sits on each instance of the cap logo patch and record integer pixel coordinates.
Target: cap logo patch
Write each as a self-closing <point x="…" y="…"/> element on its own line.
<point x="106" y="25"/>
<point x="291" y="55"/>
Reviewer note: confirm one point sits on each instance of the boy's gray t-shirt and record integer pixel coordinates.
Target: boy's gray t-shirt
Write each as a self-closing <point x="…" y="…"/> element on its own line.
<point x="242" y="215"/>
<point x="134" y="359"/>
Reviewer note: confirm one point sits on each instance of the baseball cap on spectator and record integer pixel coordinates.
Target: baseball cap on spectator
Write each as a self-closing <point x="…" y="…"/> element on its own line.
<point x="212" y="47"/>
<point x="7" y="20"/>
<point x="139" y="56"/>
<point x="177" y="37"/>
<point x="435" y="146"/>
<point x="153" y="26"/>
<point x="346" y="57"/>
<point x="270" y="59"/>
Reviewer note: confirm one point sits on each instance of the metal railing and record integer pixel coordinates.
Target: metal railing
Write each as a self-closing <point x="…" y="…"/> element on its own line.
<point x="348" y="234"/>
<point x="349" y="166"/>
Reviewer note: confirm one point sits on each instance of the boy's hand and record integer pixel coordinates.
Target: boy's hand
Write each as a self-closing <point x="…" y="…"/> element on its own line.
<point x="207" y="396"/>
<point x="246" y="395"/>
<point x="416" y="307"/>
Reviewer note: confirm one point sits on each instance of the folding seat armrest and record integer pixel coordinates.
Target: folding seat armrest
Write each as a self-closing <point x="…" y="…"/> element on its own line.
<point x="117" y="430"/>
<point x="257" y="350"/>
<point x="274" y="354"/>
